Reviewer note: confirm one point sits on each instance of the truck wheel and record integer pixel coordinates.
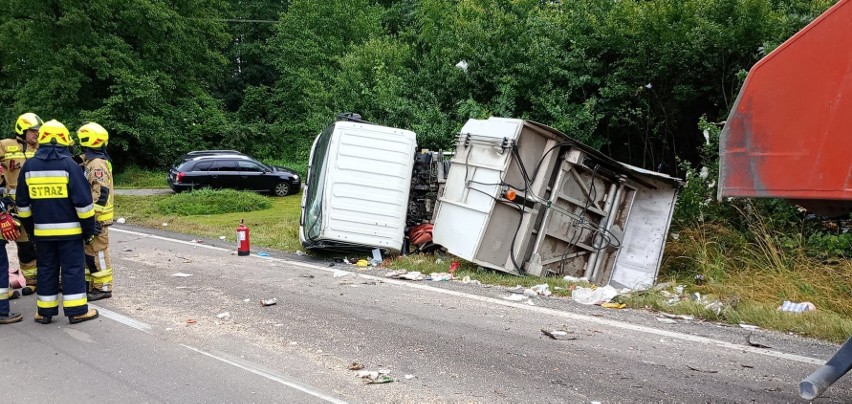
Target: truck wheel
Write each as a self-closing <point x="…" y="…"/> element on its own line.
<point x="281" y="189"/>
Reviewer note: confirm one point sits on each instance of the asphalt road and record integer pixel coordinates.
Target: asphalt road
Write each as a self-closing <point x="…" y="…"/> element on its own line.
<point x="186" y="325"/>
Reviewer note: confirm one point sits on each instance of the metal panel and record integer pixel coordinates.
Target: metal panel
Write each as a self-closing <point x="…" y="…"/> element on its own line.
<point x="787" y="133"/>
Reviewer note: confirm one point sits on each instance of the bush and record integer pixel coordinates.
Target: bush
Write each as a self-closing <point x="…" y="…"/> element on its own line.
<point x="211" y="202"/>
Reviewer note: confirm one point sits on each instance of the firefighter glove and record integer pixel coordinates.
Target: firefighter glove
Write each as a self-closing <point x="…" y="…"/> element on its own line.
<point x="9" y="227"/>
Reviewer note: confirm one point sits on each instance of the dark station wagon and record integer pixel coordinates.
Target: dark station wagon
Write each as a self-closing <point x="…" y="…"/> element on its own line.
<point x="230" y="169"/>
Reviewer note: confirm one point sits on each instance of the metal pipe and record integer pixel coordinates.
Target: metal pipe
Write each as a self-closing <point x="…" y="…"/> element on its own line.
<point x="820" y="380"/>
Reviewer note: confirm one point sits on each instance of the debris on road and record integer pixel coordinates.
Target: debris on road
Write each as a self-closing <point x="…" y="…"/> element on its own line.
<point x="190" y="321"/>
<point x="594" y="295"/>
<point x="377" y="257"/>
<point x="749" y="326"/>
<point x="339" y="274"/>
<point x="678" y="316"/>
<point x="356" y="366"/>
<point x="263" y="254"/>
<point x="380" y="376"/>
<point x="541" y="290"/>
<point x="222" y="237"/>
<point x="558" y="335"/>
<point x="196" y="241"/>
<point x="441" y="276"/>
<point x="409" y="377"/>
<point x="666" y="320"/>
<point x="755" y="344"/>
<point x="309" y="276"/>
<point x="121" y="220"/>
<point x="181" y="274"/>
<point x="362" y="263"/>
<point x="403" y="274"/>
<point x="515" y="298"/>
<point x="611" y="305"/>
<point x="224" y="316"/>
<point x="569" y="278"/>
<point x="702" y="370"/>
<point x="268" y="302"/>
<point x="467" y="279"/>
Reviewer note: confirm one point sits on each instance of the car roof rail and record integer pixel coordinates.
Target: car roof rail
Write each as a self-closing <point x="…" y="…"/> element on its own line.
<point x="201" y="152"/>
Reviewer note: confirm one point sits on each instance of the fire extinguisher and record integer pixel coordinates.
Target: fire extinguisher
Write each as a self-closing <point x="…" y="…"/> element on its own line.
<point x="243" y="246"/>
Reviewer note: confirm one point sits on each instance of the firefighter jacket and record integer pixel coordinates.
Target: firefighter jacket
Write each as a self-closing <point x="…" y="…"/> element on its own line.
<point x="99" y="175"/>
<point x="54" y="200"/>
<point x="13" y="154"/>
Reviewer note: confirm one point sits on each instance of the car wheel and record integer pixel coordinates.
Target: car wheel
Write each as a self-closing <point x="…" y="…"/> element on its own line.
<point x="281" y="189"/>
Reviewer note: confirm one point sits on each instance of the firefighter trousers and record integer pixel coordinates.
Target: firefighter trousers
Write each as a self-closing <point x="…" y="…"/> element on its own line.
<point x="63" y="258"/>
<point x="4" y="279"/>
<point x="98" y="263"/>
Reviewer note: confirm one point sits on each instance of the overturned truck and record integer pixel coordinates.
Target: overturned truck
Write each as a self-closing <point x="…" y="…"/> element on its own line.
<point x="517" y="196"/>
<point x="524" y="198"/>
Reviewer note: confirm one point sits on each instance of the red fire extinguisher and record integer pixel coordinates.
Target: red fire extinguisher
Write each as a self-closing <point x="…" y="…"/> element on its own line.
<point x="243" y="246"/>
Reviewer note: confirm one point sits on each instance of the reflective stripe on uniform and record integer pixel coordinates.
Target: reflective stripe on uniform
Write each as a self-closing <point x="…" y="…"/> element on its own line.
<point x="58" y="229"/>
<point x="48" y="301"/>
<point x="24" y="211"/>
<point x="75" y="300"/>
<point x="4" y="293"/>
<point x="11" y="191"/>
<point x="47" y="173"/>
<point x="86" y="211"/>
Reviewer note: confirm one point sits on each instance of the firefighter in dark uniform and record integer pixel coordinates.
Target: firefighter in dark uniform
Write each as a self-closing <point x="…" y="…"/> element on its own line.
<point x="55" y="205"/>
<point x="98" y="167"/>
<point x="13" y="154"/>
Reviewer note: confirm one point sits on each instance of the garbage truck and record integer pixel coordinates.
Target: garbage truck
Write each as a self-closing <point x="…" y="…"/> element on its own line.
<point x="788" y="133"/>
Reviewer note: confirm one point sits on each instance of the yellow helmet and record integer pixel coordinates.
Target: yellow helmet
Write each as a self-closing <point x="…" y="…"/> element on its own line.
<point x="92" y="135"/>
<point x="54" y="130"/>
<point x="27" y="121"/>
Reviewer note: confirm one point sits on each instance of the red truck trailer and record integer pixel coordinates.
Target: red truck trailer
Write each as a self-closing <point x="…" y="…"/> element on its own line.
<point x="789" y="135"/>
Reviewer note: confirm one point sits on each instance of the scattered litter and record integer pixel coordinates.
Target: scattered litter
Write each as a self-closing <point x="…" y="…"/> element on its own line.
<point x="185" y="260"/>
<point x="747" y="366"/>
<point x="362" y="263"/>
<point x="610" y="305"/>
<point x="749" y="326"/>
<point x="190" y="321"/>
<point x="679" y="289"/>
<point x="467" y="279"/>
<point x="530" y="302"/>
<point x="515" y="298"/>
<point x="666" y="320"/>
<point x="569" y="278"/>
<point x="594" y="296"/>
<point x="182" y="287"/>
<point x="375" y="377"/>
<point x="263" y="254"/>
<point x="309" y="276"/>
<point x="517" y="289"/>
<point x="715" y="307"/>
<point x="121" y="220"/>
<point x="224" y="316"/>
<point x="403" y="274"/>
<point x="181" y="274"/>
<point x="453" y="267"/>
<point x="542" y="290"/>
<point x="441" y="276"/>
<point x="246" y="300"/>
<point x="268" y="302"/>
<point x="300" y="252"/>
<point x="222" y="237"/>
<point x="196" y="241"/>
<point x="792" y="307"/>
<point x="702" y="370"/>
<point x="165" y="224"/>
<point x="339" y="274"/>
<point x="355" y="366"/>
<point x="409" y="377"/>
<point x="554" y="334"/>
<point x="756" y="344"/>
<point x="279" y="325"/>
<point x="678" y="316"/>
<point x="377" y="257"/>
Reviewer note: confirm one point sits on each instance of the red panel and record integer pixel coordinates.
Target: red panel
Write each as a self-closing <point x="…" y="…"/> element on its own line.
<point x="789" y="134"/>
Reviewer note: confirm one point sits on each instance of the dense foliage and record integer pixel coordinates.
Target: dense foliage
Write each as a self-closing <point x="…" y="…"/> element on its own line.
<point x="165" y="76"/>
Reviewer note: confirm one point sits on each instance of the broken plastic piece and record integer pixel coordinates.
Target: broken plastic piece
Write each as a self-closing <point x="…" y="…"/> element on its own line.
<point x="268" y="302"/>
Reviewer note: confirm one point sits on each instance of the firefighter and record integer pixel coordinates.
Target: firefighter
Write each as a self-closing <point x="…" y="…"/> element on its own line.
<point x="9" y="229"/>
<point x="55" y="205"/>
<point x="13" y="154"/>
<point x="93" y="138"/>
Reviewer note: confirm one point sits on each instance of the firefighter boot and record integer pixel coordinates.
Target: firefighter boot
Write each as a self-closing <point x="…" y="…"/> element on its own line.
<point x="10" y="318"/>
<point x="28" y="289"/>
<point x="97" y="294"/>
<point x="42" y="319"/>
<point x="89" y="315"/>
<point x="14" y="294"/>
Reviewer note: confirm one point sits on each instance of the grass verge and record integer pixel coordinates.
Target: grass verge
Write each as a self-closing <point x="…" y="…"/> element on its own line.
<point x="139" y="178"/>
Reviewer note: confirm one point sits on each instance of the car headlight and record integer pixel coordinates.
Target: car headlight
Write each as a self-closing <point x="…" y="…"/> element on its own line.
<point x="295" y="177"/>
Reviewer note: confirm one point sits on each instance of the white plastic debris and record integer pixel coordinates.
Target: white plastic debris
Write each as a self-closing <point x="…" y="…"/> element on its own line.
<point x="542" y="290"/>
<point x="515" y="298"/>
<point x="165" y="224"/>
<point x="594" y="296"/>
<point x="121" y="220"/>
<point x="409" y="377"/>
<point x="181" y="274"/>
<point x="749" y="326"/>
<point x="792" y="307"/>
<point x="403" y="274"/>
<point x="715" y="307"/>
<point x="224" y="316"/>
<point x="666" y="320"/>
<point x="569" y="278"/>
<point x="221" y="237"/>
<point x="339" y="274"/>
<point x="462" y="65"/>
<point x="704" y="173"/>
<point x="441" y="276"/>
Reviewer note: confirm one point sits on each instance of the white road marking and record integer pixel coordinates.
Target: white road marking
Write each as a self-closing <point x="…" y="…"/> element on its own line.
<point x="121" y="318"/>
<point x="521" y="306"/>
<point x="278" y="378"/>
